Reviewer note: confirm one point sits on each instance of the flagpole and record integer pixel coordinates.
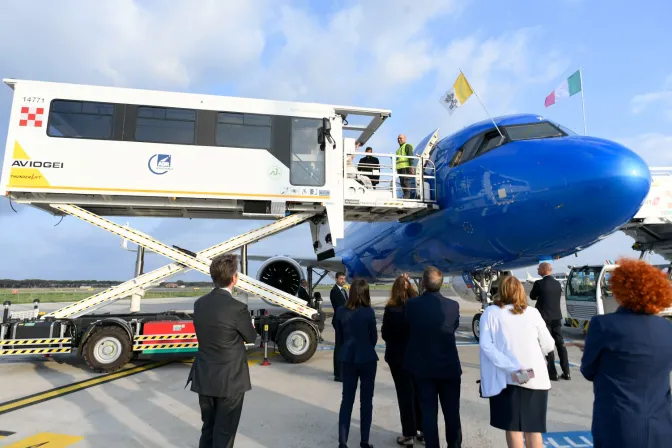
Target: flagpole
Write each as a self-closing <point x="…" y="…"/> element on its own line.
<point x="583" y="104"/>
<point x="483" y="105"/>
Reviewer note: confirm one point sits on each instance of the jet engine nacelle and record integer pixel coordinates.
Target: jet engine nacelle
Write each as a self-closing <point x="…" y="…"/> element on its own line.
<point x="461" y="290"/>
<point x="283" y="273"/>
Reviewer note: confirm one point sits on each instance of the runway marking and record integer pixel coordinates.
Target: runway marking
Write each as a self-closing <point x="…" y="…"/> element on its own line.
<point x="4" y="434"/>
<point x="47" y="440"/>
<point x="571" y="439"/>
<point x="60" y="391"/>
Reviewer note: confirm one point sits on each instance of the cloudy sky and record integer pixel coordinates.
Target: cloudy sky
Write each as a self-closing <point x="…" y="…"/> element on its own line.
<point x="396" y="54"/>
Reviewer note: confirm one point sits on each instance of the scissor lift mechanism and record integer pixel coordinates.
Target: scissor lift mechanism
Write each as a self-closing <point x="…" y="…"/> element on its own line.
<point x="66" y="320"/>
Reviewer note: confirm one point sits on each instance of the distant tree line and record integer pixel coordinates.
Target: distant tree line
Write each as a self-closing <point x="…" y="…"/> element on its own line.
<point x="96" y="284"/>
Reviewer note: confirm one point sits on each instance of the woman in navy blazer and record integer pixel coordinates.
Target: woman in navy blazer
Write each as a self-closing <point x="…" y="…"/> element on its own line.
<point x="628" y="357"/>
<point x="395" y="334"/>
<point x="357" y="333"/>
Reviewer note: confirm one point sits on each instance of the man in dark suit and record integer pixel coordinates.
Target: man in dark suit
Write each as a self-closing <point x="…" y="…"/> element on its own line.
<point x="220" y="374"/>
<point x="303" y="292"/>
<point x="547" y="292"/>
<point x="431" y="357"/>
<point x="368" y="164"/>
<point x="338" y="296"/>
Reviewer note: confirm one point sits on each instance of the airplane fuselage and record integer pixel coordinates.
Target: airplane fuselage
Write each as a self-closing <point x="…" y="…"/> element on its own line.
<point x="506" y="205"/>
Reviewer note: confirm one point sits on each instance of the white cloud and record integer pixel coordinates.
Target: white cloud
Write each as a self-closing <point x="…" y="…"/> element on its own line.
<point x="655" y="148"/>
<point x="661" y="98"/>
<point x="127" y="43"/>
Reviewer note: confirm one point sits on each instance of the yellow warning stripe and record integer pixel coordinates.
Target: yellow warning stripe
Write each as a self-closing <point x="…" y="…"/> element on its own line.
<point x="141" y="347"/>
<point x="30" y="400"/>
<point x="161" y="337"/>
<point x="34" y="341"/>
<point x="34" y="351"/>
<point x="232" y="195"/>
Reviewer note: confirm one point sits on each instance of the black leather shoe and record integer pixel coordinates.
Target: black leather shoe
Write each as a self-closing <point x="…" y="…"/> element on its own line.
<point x="365" y="445"/>
<point x="566" y="376"/>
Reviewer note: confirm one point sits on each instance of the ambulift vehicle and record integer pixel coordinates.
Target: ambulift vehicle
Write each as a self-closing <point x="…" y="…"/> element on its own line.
<point x="588" y="293"/>
<point x="94" y="152"/>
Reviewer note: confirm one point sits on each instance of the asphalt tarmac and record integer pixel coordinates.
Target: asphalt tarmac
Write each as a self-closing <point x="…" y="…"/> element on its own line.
<point x="59" y="401"/>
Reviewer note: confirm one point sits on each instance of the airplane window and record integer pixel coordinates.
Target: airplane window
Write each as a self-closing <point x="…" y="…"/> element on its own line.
<point x="566" y="130"/>
<point x="533" y="131"/>
<point x="469" y="149"/>
<point x="491" y="140"/>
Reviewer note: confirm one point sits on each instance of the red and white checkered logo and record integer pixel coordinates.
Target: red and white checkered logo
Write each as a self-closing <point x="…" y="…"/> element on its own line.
<point x="31" y="116"/>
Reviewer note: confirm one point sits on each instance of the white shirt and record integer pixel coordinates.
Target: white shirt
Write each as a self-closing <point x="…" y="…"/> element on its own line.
<point x="511" y="342"/>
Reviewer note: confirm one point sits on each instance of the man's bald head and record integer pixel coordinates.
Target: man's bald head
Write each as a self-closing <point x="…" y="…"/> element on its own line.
<point x="545" y="268"/>
<point x="401" y="139"/>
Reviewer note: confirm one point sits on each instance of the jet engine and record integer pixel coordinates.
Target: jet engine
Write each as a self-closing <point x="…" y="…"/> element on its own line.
<point x="281" y="272"/>
<point x="461" y="289"/>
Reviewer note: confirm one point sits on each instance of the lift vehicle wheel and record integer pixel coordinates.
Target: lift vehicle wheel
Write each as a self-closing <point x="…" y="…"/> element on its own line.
<point x="297" y="342"/>
<point x="107" y="349"/>
<point x="476" y="326"/>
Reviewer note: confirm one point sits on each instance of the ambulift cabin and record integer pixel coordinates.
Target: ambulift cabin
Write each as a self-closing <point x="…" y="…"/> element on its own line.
<point x="91" y="152"/>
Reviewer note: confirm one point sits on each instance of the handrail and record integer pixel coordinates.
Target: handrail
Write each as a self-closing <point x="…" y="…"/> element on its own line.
<point x="388" y="177"/>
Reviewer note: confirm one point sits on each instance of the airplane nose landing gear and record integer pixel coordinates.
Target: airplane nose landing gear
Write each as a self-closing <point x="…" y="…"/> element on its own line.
<point x="485" y="283"/>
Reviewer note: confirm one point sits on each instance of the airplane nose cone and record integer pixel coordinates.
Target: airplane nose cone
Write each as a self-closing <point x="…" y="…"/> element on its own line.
<point x="605" y="188"/>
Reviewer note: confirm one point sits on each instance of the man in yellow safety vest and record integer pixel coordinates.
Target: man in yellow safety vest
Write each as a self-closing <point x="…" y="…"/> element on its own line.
<point x="404" y="165"/>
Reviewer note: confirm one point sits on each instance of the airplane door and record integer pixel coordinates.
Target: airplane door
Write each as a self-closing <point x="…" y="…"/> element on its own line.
<point x="423" y="149"/>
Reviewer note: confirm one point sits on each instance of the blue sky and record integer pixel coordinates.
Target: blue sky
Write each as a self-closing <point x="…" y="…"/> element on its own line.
<point x="397" y="54"/>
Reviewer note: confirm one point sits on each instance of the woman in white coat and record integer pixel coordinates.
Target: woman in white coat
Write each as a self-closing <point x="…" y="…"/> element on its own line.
<point x="513" y="344"/>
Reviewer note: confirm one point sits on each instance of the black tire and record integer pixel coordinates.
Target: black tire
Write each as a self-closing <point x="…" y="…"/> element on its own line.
<point x="476" y="326"/>
<point x="95" y="354"/>
<point x="297" y="342"/>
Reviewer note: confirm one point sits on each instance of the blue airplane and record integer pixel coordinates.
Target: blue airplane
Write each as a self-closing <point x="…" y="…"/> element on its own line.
<point x="540" y="193"/>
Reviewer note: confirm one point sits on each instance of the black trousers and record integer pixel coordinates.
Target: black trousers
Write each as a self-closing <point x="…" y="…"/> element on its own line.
<point x="337" y="351"/>
<point x="408" y="399"/>
<point x="220" y="417"/>
<point x="448" y="393"/>
<point x="405" y="182"/>
<point x="366" y="374"/>
<point x="554" y="327"/>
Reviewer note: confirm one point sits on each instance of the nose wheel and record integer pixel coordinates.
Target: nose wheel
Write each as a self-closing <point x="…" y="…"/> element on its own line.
<point x="485" y="284"/>
<point x="476" y="326"/>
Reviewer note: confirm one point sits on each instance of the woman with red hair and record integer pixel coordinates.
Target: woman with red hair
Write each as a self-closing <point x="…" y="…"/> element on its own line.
<point x="628" y="357"/>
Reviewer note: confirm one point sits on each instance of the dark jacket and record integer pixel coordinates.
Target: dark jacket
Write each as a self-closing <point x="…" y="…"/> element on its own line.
<point x="357" y="333"/>
<point x="431" y="351"/>
<point x="547" y="292"/>
<point x="628" y="357"/>
<point x="223" y="325"/>
<point x="337" y="300"/>
<point x="395" y="334"/>
<point x="303" y="294"/>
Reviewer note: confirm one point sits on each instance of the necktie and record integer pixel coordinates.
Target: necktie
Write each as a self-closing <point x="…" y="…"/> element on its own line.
<point x="344" y="293"/>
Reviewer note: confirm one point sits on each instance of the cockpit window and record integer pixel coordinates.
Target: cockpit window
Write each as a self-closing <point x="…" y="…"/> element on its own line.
<point x="533" y="131"/>
<point x="566" y="130"/>
<point x="491" y="140"/>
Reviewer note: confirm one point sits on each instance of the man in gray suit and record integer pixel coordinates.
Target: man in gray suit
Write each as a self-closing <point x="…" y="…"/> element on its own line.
<point x="220" y="374"/>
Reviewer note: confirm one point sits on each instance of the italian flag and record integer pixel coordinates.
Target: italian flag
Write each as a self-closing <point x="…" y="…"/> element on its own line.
<point x="569" y="87"/>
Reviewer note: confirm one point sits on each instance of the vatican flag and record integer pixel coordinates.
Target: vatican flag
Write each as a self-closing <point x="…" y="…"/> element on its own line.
<point x="458" y="95"/>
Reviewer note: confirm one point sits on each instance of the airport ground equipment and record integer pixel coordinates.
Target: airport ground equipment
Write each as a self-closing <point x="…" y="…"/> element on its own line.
<point x="588" y="293"/>
<point x="94" y="153"/>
